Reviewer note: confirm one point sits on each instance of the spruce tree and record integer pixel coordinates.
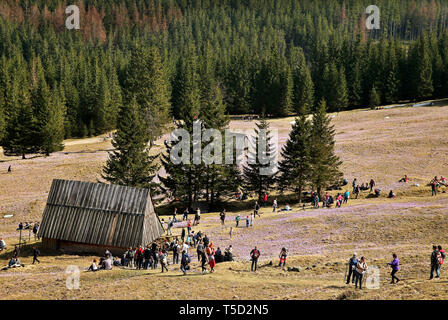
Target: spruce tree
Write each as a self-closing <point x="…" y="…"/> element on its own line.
<point x="295" y="166"/>
<point x="259" y="177"/>
<point x="130" y="163"/>
<point x="303" y="87"/>
<point x="238" y="83"/>
<point x="273" y="86"/>
<point x="49" y="112"/>
<point x="146" y="81"/>
<point x="421" y="70"/>
<point x="184" y="180"/>
<point x="324" y="162"/>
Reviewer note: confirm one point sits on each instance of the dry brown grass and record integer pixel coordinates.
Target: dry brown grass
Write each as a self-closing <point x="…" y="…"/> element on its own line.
<point x="411" y="141"/>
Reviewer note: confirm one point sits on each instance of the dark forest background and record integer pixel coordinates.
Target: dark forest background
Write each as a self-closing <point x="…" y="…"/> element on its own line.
<point x="254" y="56"/>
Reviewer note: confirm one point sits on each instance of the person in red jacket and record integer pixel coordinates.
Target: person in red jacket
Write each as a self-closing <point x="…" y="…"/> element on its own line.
<point x="139" y="257"/>
<point x="254" y="255"/>
<point x="265" y="199"/>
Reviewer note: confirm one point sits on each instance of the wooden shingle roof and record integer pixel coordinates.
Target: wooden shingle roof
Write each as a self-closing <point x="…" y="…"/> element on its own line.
<point x="100" y="214"/>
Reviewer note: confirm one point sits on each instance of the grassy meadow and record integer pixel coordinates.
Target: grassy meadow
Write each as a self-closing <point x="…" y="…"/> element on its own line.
<point x="379" y="144"/>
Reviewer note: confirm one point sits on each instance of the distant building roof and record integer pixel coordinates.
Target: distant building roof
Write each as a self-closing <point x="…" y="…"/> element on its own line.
<point x="100" y="214"/>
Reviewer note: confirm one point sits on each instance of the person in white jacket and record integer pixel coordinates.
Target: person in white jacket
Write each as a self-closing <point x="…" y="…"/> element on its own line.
<point x="360" y="269"/>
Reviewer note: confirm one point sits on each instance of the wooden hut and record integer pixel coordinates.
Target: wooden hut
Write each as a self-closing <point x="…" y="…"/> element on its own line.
<point x="90" y="217"/>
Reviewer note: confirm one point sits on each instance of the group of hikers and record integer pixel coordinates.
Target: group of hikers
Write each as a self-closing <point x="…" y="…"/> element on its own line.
<point x="358" y="267"/>
<point x="152" y="255"/>
<point x="14" y="262"/>
<point x="437" y="183"/>
<point x="29" y="225"/>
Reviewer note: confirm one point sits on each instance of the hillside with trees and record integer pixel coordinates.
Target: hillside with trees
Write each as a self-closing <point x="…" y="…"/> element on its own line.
<point x="266" y="57"/>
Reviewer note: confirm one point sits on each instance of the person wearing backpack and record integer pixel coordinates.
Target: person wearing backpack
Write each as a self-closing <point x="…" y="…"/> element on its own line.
<point x="130" y="257"/>
<point x="200" y="249"/>
<point x="163" y="260"/>
<point x="352" y="262"/>
<point x="139" y="257"/>
<point x="282" y="257"/>
<point x="176" y="248"/>
<point x="436" y="258"/>
<point x="206" y="241"/>
<point x="395" y="267"/>
<point x="254" y="255"/>
<point x="184" y="262"/>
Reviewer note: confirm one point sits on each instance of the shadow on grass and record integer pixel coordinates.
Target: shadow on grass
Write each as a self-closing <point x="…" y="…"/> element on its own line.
<point x="26" y="251"/>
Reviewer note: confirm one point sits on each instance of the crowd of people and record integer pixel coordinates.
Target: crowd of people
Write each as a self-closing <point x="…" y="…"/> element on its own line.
<point x="182" y="251"/>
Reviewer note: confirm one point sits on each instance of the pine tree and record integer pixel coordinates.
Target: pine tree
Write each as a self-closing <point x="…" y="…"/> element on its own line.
<point x="303" y="87"/>
<point x="147" y="82"/>
<point x="184" y="181"/>
<point x="186" y="97"/>
<point x="391" y="81"/>
<point x="218" y="179"/>
<point x="238" y="84"/>
<point x="49" y="111"/>
<point x="336" y="89"/>
<point x="21" y="133"/>
<point x="324" y="163"/>
<point x="273" y="86"/>
<point x="130" y="163"/>
<point x="295" y="168"/>
<point x="420" y="64"/>
<point x="259" y="176"/>
<point x="341" y="96"/>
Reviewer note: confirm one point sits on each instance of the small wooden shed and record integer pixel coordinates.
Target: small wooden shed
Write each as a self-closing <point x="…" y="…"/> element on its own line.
<point x="90" y="217"/>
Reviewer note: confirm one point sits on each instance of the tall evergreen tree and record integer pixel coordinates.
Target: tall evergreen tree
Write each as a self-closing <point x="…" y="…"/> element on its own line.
<point x="259" y="176"/>
<point x="273" y="86"/>
<point x="324" y="162"/>
<point x="238" y="84"/>
<point x="303" y="87"/>
<point x="147" y="82"/>
<point x="295" y="168"/>
<point x="49" y="111"/>
<point x="420" y="64"/>
<point x="131" y="162"/>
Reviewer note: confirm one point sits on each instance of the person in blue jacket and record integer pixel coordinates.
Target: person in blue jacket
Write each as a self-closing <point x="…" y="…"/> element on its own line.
<point x="351" y="268"/>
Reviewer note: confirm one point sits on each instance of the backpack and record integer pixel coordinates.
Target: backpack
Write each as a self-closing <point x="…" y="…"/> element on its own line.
<point x="255" y="254"/>
<point x="439" y="258"/>
<point x="443" y="255"/>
